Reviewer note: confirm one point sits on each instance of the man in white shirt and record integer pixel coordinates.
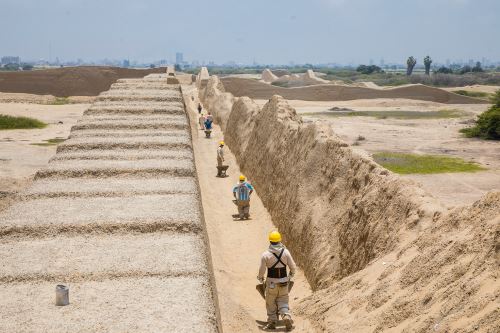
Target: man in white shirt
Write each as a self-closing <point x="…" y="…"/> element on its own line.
<point x="275" y="261"/>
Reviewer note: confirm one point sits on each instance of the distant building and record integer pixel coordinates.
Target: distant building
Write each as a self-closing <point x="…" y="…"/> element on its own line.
<point x="10" y="60"/>
<point x="126" y="63"/>
<point x="179" y="58"/>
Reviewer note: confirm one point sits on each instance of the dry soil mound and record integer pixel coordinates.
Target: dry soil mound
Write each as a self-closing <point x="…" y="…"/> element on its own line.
<point x="268" y="76"/>
<point x="68" y="81"/>
<point x="329" y="92"/>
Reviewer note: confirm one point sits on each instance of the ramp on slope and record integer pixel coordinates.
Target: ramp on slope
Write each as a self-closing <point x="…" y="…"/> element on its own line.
<point x="116" y="216"/>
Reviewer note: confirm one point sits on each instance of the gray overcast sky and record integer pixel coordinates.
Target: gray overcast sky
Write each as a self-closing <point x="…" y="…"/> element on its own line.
<point x="267" y="31"/>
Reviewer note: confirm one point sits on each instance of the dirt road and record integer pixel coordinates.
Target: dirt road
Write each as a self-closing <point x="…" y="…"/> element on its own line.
<point x="236" y="245"/>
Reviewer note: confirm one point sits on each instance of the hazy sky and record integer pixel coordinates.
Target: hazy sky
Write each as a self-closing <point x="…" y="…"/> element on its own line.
<point x="267" y="31"/>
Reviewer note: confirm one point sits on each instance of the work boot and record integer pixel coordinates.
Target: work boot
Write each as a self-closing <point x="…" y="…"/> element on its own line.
<point x="288" y="322"/>
<point x="271" y="325"/>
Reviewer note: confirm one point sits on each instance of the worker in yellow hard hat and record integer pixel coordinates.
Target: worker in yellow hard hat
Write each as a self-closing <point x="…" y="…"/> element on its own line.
<point x="275" y="261"/>
<point x="242" y="192"/>
<point x="220" y="159"/>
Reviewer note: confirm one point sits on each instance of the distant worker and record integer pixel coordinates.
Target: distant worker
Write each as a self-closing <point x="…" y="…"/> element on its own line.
<point x="221" y="168"/>
<point x="199" y="108"/>
<point x="242" y="192"/>
<point x="220" y="154"/>
<point x="208" y="123"/>
<point x="209" y="116"/>
<point x="201" y="121"/>
<point x="277" y="284"/>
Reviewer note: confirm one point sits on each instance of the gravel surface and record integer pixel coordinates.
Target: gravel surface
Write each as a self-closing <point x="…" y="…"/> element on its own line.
<point x="116" y="216"/>
<point x="126" y="133"/>
<point x="61" y="212"/>
<point x="113" y="186"/>
<point x="128" y="154"/>
<point x="102" y="257"/>
<point x="156" y="304"/>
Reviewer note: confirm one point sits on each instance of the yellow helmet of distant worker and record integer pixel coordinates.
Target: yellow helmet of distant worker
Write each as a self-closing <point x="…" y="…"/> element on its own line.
<point x="275" y="237"/>
<point x="242" y="178"/>
<point x="221" y="143"/>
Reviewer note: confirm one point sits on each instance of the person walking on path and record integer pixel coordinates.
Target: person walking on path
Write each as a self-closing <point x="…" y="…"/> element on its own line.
<point x="275" y="261"/>
<point x="199" y="108"/>
<point x="242" y="192"/>
<point x="201" y="121"/>
<point x="209" y="116"/>
<point x="220" y="154"/>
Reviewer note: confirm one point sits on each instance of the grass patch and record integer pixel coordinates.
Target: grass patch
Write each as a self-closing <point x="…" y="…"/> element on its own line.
<point x="50" y="142"/>
<point x="9" y="122"/>
<point x="440" y="114"/>
<point x="475" y="94"/>
<point x="424" y="164"/>
<point x="60" y="101"/>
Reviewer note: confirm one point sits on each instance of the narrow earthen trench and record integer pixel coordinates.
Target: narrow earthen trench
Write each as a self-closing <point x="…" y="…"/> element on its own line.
<point x="235" y="245"/>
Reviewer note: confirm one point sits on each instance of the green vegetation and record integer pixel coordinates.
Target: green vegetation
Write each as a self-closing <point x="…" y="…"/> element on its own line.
<point x="424" y="164"/>
<point x="440" y="114"/>
<point x="280" y="84"/>
<point x="363" y="69"/>
<point x="410" y="65"/>
<point x="427" y="64"/>
<point x="9" y="122"/>
<point x="60" y="101"/>
<point x="389" y="76"/>
<point x="50" y="142"/>
<point x="488" y="123"/>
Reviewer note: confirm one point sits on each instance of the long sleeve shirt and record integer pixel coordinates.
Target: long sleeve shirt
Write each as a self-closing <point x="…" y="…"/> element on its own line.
<point x="268" y="260"/>
<point x="220" y="153"/>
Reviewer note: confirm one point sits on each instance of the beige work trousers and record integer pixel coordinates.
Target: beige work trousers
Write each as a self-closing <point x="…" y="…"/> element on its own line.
<point x="244" y="208"/>
<point x="276" y="300"/>
<point x="219" y="161"/>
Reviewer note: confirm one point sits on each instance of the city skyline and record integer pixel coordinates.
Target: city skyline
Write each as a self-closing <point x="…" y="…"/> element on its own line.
<point x="278" y="32"/>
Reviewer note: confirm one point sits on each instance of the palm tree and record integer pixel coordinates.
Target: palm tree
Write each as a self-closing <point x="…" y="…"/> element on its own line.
<point x="427" y="64"/>
<point x="411" y="62"/>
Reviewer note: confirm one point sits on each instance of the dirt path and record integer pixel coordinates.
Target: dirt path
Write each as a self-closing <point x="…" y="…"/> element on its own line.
<point x="236" y="245"/>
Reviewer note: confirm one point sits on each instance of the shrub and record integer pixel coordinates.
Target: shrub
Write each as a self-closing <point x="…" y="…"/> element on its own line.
<point x="488" y="123"/>
<point x="9" y="122"/>
<point x="363" y="69"/>
<point x="11" y="67"/>
<point x="444" y="70"/>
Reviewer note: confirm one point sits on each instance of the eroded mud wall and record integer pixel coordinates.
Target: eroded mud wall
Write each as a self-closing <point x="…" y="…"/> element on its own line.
<point x="338" y="210"/>
<point x="379" y="252"/>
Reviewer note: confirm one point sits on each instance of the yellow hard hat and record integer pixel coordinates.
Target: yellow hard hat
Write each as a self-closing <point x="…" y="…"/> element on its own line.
<point x="242" y="177"/>
<point x="221" y="143"/>
<point x="275" y="237"/>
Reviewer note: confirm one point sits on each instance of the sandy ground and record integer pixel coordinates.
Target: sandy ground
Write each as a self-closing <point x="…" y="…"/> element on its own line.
<point x="135" y="256"/>
<point x="476" y="87"/>
<point x="437" y="136"/>
<point x="236" y="245"/>
<point x="19" y="158"/>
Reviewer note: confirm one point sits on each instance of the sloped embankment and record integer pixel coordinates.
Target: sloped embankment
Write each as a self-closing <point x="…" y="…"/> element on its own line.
<point x="116" y="215"/>
<point x="330" y="92"/>
<point x="356" y="228"/>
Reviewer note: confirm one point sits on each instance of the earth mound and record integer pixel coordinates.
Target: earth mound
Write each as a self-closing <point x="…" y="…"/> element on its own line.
<point x="68" y="81"/>
<point x="330" y="92"/>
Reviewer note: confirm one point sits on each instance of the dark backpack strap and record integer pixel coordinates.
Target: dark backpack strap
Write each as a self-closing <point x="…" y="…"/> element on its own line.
<point x="279" y="259"/>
